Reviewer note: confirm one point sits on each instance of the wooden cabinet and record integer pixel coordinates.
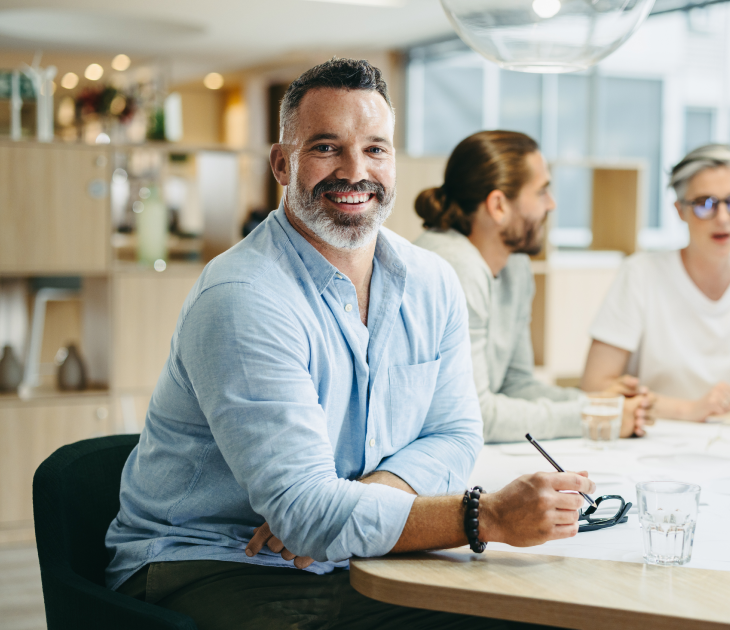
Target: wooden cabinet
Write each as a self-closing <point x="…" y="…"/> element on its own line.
<point x="29" y="432"/>
<point x="54" y="209"/>
<point x="145" y="308"/>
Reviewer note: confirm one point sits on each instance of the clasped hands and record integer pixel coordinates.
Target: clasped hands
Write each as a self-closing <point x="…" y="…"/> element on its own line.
<point x="638" y="405"/>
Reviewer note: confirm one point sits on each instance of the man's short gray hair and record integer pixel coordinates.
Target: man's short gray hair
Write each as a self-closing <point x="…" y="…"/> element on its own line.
<point x="345" y="74"/>
<point x="707" y="156"/>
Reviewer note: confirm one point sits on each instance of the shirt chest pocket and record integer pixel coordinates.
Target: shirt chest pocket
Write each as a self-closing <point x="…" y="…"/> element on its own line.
<point x="411" y="391"/>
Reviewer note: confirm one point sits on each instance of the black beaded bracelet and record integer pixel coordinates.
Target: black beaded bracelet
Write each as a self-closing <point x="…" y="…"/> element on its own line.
<point x="471" y="519"/>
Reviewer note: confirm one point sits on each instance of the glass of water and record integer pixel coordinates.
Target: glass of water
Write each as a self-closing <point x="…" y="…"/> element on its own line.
<point x="668" y="514"/>
<point x="601" y="416"/>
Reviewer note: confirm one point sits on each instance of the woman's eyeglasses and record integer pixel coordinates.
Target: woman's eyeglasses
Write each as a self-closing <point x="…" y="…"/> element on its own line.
<point x="706" y="208"/>
<point x="610" y="510"/>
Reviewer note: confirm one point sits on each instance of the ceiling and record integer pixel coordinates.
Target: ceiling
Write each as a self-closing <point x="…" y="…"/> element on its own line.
<point x="202" y="35"/>
<point x="197" y="36"/>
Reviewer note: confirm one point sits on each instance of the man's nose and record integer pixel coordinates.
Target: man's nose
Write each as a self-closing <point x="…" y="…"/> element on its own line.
<point x="352" y="166"/>
<point x="551" y="202"/>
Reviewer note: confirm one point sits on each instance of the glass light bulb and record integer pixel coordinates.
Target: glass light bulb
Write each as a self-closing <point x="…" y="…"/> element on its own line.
<point x="69" y="81"/>
<point x="546" y="35"/>
<point x="213" y="81"/>
<point x="546" y="8"/>
<point x="94" y="72"/>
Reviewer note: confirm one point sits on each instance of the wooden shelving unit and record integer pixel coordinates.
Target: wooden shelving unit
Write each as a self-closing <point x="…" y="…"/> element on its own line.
<point x="55" y="217"/>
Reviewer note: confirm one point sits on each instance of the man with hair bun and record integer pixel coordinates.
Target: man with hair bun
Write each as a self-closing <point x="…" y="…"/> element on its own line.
<point x="485" y="220"/>
<point x="318" y="403"/>
<point x="666" y="319"/>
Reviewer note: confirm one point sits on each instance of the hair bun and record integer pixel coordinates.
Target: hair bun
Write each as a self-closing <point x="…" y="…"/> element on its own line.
<point x="430" y="206"/>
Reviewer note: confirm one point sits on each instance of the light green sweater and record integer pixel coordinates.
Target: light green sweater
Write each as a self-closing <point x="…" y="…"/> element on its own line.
<point x="512" y="401"/>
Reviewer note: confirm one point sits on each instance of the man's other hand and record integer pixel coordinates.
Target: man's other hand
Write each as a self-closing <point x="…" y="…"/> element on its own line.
<point x="534" y="509"/>
<point x="263" y="536"/>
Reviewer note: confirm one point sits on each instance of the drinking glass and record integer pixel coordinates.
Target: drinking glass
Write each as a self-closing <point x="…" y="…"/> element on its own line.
<point x="668" y="514"/>
<point x="601" y="416"/>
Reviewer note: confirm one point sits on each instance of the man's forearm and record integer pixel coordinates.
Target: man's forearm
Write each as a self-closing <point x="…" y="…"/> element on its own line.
<point x="434" y="523"/>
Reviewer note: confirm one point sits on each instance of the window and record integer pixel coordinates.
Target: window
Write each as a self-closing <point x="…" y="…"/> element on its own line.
<point x="453" y="109"/>
<point x="698" y="127"/>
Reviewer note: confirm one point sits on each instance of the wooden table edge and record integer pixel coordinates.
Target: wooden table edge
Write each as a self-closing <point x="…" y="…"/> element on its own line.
<point x="560" y="614"/>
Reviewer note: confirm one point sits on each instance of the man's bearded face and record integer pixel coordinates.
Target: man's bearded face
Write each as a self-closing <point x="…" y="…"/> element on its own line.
<point x="339" y="229"/>
<point x="524" y="236"/>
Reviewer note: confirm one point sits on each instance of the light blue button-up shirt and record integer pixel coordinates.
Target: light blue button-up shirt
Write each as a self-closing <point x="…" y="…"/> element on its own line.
<point x="276" y="398"/>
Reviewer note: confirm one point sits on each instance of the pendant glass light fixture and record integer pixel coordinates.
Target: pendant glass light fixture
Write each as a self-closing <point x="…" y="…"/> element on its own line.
<point x="546" y="36"/>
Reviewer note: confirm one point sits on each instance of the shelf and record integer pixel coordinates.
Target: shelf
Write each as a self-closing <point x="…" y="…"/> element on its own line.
<point x="124" y="247"/>
<point x="45" y="394"/>
<point x="173" y="268"/>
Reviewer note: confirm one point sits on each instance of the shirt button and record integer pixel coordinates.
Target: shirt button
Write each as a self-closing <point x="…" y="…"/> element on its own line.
<point x="348" y="307"/>
<point x="372" y="442"/>
<point x="338" y="276"/>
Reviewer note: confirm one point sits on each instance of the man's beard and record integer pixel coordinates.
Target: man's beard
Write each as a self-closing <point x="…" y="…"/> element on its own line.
<point x="341" y="230"/>
<point x="528" y="240"/>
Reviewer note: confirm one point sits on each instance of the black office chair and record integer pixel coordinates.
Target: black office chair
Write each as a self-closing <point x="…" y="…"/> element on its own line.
<point x="75" y="498"/>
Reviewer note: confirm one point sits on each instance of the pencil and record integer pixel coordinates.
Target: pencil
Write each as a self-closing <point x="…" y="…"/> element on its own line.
<point x="555" y="464"/>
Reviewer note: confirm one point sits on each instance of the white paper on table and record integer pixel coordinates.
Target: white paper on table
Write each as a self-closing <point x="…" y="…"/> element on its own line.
<point x="691" y="452"/>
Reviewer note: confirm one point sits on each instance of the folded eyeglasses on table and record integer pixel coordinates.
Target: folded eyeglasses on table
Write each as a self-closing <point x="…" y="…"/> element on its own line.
<point x="610" y="510"/>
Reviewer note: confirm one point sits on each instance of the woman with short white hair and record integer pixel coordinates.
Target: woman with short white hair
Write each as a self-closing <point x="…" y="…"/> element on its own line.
<point x="666" y="319"/>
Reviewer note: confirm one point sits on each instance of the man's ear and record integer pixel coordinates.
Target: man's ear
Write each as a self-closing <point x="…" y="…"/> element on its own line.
<point x="279" y="164"/>
<point x="497" y="207"/>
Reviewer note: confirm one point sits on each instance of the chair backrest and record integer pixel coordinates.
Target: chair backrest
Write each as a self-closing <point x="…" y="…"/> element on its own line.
<point x="75" y="498"/>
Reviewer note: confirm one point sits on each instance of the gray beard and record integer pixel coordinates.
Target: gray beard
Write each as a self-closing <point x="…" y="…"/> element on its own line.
<point x="339" y="229"/>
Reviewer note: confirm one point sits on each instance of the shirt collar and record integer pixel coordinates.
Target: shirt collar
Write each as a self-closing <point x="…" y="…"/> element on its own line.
<point x="320" y="269"/>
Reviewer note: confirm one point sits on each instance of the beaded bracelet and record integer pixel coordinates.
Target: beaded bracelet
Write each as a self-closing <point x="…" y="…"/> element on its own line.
<point x="471" y="519"/>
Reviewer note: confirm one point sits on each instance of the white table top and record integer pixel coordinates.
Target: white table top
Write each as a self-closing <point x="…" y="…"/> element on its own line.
<point x="692" y="452"/>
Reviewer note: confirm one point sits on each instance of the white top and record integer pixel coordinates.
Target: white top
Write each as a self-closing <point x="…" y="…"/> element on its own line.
<point x="679" y="338"/>
<point x="512" y="401"/>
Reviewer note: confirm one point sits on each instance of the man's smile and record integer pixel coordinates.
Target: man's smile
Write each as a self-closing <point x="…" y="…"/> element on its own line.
<point x="349" y="201"/>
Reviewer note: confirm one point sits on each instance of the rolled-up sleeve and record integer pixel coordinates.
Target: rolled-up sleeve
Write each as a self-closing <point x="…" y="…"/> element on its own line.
<point x="247" y="359"/>
<point x="441" y="459"/>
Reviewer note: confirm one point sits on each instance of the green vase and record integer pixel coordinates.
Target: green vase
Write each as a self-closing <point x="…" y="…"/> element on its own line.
<point x="152" y="226"/>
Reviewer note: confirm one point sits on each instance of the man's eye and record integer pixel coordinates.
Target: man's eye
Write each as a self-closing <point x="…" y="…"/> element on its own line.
<point x="376" y="150"/>
<point x="323" y="148"/>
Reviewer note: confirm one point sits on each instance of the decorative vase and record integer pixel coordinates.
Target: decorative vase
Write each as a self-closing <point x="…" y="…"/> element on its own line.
<point x="71" y="373"/>
<point x="11" y="372"/>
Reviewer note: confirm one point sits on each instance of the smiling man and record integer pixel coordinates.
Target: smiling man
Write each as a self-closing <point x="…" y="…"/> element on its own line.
<point x="318" y="402"/>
